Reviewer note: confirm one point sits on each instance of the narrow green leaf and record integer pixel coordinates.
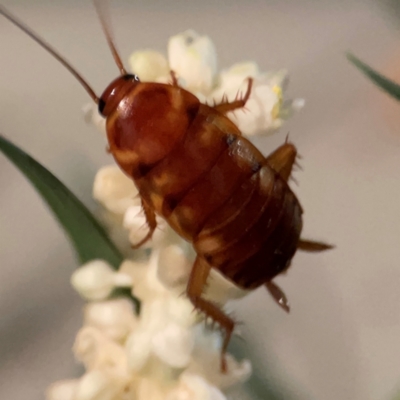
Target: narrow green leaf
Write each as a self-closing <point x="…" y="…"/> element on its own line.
<point x="88" y="237"/>
<point x="384" y="83"/>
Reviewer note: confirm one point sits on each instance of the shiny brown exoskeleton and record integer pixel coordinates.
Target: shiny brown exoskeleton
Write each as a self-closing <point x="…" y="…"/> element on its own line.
<point x="193" y="167"/>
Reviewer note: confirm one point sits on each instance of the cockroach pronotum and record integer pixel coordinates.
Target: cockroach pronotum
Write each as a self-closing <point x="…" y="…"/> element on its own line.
<point x="233" y="204"/>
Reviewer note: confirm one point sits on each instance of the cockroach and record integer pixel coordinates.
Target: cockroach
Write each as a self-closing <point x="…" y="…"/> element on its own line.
<point x="192" y="166"/>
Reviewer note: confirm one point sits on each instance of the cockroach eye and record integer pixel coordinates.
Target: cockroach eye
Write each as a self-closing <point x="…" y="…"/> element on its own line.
<point x="116" y="92"/>
<point x="131" y="77"/>
<point x="102" y="104"/>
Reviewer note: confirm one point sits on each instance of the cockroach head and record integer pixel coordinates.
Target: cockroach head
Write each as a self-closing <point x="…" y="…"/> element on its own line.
<point x="116" y="92"/>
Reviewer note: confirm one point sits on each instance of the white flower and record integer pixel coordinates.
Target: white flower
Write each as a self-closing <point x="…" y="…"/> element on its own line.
<point x="115" y="318"/>
<point x="97" y="351"/>
<point x="62" y="390"/>
<point x="114" y="189"/>
<point x="165" y="353"/>
<point x="100" y="385"/>
<point x="96" y="280"/>
<point x="220" y="289"/>
<point x="92" y="116"/>
<point x="174" y="345"/>
<point x="135" y="222"/>
<point x="194" y="387"/>
<point x="149" y="65"/>
<point x="149" y="389"/>
<point x="264" y="109"/>
<point x="165" y="327"/>
<point x="193" y="58"/>
<point x="175" y="262"/>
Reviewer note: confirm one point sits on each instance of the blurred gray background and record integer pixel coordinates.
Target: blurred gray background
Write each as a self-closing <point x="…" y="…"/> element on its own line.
<point x="342" y="339"/>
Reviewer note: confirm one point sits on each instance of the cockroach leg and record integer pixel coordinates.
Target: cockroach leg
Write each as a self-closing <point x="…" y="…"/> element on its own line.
<point x="278" y="295"/>
<point x="174" y="78"/>
<point x="151" y="223"/>
<point x="226" y="106"/>
<point x="197" y="280"/>
<point x="312" y="246"/>
<point x="282" y="160"/>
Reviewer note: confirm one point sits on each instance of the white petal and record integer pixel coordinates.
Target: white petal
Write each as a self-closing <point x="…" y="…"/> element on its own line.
<point x="248" y="120"/>
<point x="152" y="281"/>
<point x="148" y="389"/>
<point x="149" y="65"/>
<point x="174" y="345"/>
<point x="181" y="311"/>
<point x="175" y="263"/>
<point x="133" y="217"/>
<point x="209" y="366"/>
<point x="94" y="280"/>
<point x="138" y="349"/>
<point x="265" y="109"/>
<point x="259" y="112"/>
<point x="146" y="286"/>
<point x="194" y="387"/>
<point x="91" y="115"/>
<point x="298" y="104"/>
<point x="193" y="58"/>
<point x="96" y="351"/>
<point x="154" y="314"/>
<point x="122" y="280"/>
<point x="237" y="372"/>
<point x="114" y="190"/>
<point x="116" y="232"/>
<point x="220" y="289"/>
<point x="266" y="97"/>
<point x="136" y="270"/>
<point x="99" y="385"/>
<point x="135" y="222"/>
<point x="115" y="318"/>
<point x="206" y="360"/>
<point x="62" y="390"/>
<point x="235" y="76"/>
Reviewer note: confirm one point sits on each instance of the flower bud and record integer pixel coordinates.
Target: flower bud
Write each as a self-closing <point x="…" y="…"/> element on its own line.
<point x="96" y="351"/>
<point x="62" y="390"/>
<point x="95" y="280"/>
<point x="114" y="190"/>
<point x="194" y="387"/>
<point x="99" y="385"/>
<point x="115" y="318"/>
<point x="138" y="349"/>
<point x="174" y="345"/>
<point x="194" y="59"/>
<point x="174" y="264"/>
<point x="149" y="65"/>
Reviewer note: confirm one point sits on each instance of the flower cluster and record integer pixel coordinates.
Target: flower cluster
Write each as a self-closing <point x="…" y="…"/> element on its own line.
<point x="167" y="352"/>
<point x="194" y="60"/>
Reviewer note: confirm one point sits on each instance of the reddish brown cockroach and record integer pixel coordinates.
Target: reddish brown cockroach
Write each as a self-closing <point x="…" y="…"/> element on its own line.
<point x="233" y="204"/>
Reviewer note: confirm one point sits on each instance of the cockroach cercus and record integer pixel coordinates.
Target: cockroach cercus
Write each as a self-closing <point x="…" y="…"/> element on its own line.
<point x="232" y="204"/>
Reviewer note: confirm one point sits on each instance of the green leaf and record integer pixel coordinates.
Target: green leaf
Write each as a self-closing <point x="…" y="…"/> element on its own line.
<point x="88" y="237"/>
<point x="386" y="84"/>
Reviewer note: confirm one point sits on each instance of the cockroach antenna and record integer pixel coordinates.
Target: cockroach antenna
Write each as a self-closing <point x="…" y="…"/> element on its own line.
<point x="51" y="50"/>
<point x="105" y="24"/>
